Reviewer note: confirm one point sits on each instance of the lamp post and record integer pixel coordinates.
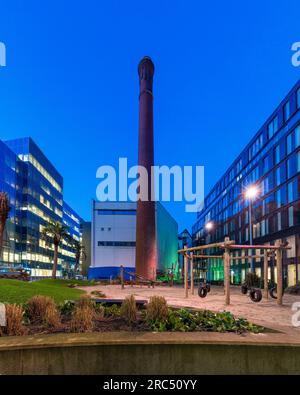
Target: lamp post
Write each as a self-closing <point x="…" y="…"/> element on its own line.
<point x="250" y="194"/>
<point x="208" y="226"/>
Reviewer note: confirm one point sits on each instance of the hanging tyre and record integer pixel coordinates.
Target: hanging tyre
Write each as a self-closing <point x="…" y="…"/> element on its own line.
<point x="244" y="289"/>
<point x="208" y="287"/>
<point x="255" y="295"/>
<point x="202" y="291"/>
<point x="273" y="292"/>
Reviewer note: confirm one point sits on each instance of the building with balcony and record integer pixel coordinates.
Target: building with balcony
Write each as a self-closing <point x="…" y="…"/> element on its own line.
<point x="270" y="162"/>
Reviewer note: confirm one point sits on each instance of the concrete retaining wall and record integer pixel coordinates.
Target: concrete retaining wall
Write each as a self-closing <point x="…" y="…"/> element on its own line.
<point x="87" y="355"/>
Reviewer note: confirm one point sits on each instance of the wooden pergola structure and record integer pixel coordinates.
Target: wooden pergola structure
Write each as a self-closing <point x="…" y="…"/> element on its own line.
<point x="190" y="254"/>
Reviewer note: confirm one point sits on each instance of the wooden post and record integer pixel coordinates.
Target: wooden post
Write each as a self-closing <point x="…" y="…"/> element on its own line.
<point x="266" y="290"/>
<point x="192" y="272"/>
<point x="154" y="277"/>
<point x="226" y="259"/>
<point x="186" y="285"/>
<point x="122" y="276"/>
<point x="279" y="276"/>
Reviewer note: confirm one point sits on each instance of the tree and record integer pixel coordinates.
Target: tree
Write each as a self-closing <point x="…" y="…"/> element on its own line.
<point x="79" y="252"/>
<point x="4" y="214"/>
<point x="57" y="232"/>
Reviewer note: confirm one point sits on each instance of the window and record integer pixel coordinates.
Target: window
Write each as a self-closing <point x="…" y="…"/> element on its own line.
<point x="278" y="181"/>
<point x="256" y="146"/>
<point x="116" y="243"/>
<point x="297" y="136"/>
<point x="291" y="216"/>
<point x="286" y="111"/>
<point x="278" y="221"/>
<point x="289" y="147"/>
<point x="292" y="191"/>
<point x="273" y="127"/>
<point x="278" y="198"/>
<point x="116" y="212"/>
<point x="291" y="166"/>
<point x="298" y="98"/>
<point x="277" y="154"/>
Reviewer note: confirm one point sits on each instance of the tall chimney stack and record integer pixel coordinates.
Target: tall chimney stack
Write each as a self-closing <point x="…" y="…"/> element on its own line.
<point x="146" y="254"/>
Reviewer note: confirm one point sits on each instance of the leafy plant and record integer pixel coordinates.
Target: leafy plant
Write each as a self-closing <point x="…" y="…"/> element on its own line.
<point x="4" y="214"/>
<point x="66" y="307"/>
<point x="187" y="321"/>
<point x="56" y="232"/>
<point x="112" y="311"/>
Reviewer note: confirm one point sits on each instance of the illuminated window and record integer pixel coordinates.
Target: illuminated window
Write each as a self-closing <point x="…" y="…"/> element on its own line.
<point x="286" y="111"/>
<point x="273" y="127"/>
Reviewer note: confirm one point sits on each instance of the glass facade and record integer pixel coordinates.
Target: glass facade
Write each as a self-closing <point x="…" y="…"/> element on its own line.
<point x="271" y="161"/>
<point x="35" y="189"/>
<point x="73" y="222"/>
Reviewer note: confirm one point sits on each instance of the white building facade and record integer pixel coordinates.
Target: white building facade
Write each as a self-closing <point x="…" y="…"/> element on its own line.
<point x="113" y="235"/>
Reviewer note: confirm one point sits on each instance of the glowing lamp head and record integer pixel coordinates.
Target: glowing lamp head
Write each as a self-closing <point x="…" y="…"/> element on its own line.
<point x="209" y="226"/>
<point x="251" y="192"/>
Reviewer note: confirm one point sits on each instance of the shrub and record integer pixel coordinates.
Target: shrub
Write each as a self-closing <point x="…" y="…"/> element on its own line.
<point x="66" y="307"/>
<point x="82" y="319"/>
<point x="14" y="320"/>
<point x="86" y="301"/>
<point x="43" y="310"/>
<point x="157" y="309"/>
<point x="99" y="311"/>
<point x="187" y="321"/>
<point x="112" y="311"/>
<point x="52" y="317"/>
<point x="83" y="315"/>
<point x="128" y="309"/>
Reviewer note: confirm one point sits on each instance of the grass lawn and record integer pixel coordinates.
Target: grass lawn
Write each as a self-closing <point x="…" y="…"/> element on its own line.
<point x="15" y="291"/>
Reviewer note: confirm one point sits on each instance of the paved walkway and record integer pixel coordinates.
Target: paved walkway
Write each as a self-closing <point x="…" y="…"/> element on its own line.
<point x="266" y="313"/>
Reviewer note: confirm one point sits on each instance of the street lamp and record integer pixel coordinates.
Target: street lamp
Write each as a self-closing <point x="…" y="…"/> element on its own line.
<point x="250" y="194"/>
<point x="209" y="225"/>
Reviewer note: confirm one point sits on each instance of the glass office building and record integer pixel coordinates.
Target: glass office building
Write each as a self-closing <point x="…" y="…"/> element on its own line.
<point x="35" y="189"/>
<point x="271" y="162"/>
<point x="8" y="183"/>
<point x="73" y="223"/>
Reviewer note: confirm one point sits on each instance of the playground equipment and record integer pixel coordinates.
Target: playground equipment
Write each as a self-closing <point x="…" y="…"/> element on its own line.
<point x="228" y="246"/>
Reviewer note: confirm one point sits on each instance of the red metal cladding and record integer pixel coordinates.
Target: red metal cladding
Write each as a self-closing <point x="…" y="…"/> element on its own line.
<point x="146" y="253"/>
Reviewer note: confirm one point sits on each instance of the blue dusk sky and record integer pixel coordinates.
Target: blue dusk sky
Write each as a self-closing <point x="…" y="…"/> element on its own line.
<point x="71" y="81"/>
